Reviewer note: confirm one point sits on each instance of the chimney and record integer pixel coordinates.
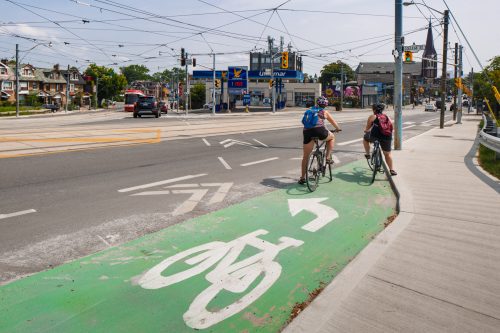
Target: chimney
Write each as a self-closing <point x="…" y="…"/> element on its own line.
<point x="56" y="67"/>
<point x="5" y="61"/>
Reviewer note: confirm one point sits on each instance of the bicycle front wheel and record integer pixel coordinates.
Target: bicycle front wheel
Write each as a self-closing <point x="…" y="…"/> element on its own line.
<point x="313" y="172"/>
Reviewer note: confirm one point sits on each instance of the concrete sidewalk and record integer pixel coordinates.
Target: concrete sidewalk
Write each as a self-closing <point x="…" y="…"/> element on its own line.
<point x="436" y="268"/>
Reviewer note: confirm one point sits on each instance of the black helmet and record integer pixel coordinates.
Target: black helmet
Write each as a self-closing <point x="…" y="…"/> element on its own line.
<point x="378" y="107"/>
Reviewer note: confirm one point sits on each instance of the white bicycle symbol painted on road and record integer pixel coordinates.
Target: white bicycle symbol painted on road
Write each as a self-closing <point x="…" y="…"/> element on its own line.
<point x="228" y="275"/>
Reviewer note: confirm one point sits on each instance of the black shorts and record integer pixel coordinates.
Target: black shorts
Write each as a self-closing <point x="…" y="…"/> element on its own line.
<point x="385" y="144"/>
<point x="318" y="132"/>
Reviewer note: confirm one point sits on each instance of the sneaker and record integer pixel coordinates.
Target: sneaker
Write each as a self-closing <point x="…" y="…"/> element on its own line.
<point x="367" y="156"/>
<point x="302" y="181"/>
<point x="393" y="173"/>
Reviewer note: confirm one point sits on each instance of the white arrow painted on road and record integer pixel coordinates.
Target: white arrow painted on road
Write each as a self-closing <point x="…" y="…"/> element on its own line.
<point x="231" y="142"/>
<point x="190" y="203"/>
<point x="325" y="214"/>
<point x="197" y="194"/>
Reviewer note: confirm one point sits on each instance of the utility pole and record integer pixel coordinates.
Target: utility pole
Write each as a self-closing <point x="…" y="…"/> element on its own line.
<point x="213" y="85"/>
<point x="273" y="89"/>
<point x="17" y="80"/>
<point x="459" y="116"/>
<point x="398" y="76"/>
<point x="472" y="89"/>
<point x="341" y="85"/>
<point x="96" y="93"/>
<point x="443" y="73"/>
<point x="67" y="90"/>
<point x="186" y="103"/>
<point x="455" y="89"/>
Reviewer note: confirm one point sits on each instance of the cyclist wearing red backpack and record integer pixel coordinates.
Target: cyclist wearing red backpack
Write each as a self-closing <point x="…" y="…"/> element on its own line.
<point x="379" y="127"/>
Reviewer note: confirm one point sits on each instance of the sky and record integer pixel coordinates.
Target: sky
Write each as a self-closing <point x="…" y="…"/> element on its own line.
<point x="152" y="32"/>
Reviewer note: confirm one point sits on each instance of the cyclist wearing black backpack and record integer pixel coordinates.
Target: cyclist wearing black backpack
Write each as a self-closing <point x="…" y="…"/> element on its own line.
<point x="315" y="126"/>
<point x="379" y="127"/>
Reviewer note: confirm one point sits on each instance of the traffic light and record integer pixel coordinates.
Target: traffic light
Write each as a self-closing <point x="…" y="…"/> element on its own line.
<point x="217" y="83"/>
<point x="284" y="60"/>
<point x="271" y="83"/>
<point x="194" y="62"/>
<point x="408" y="56"/>
<point x="183" y="57"/>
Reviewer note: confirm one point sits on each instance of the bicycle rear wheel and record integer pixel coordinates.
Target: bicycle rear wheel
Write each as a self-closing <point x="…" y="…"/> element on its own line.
<point x="377" y="163"/>
<point x="313" y="172"/>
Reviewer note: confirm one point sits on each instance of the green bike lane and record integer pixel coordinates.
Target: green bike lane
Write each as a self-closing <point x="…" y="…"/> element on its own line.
<point x="246" y="268"/>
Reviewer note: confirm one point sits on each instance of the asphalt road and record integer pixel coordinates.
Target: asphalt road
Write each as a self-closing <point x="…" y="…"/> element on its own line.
<point x="58" y="207"/>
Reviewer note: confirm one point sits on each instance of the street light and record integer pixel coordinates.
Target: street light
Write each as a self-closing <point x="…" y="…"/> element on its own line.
<point x="445" y="54"/>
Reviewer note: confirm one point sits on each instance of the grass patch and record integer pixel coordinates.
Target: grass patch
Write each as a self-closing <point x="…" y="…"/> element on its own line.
<point x="488" y="162"/>
<point x="21" y="108"/>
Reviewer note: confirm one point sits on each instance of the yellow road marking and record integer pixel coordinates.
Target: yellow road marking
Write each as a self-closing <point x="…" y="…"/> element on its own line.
<point x="125" y="141"/>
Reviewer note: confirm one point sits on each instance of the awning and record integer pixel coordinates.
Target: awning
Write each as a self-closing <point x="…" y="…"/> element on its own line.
<point x="24" y="92"/>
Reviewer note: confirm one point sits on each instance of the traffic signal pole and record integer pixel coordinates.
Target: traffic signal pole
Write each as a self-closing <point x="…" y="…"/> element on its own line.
<point x="398" y="76"/>
<point x="213" y="93"/>
<point x="443" y="73"/>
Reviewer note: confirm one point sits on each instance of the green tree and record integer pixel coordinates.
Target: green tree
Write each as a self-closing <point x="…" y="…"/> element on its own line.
<point x="482" y="85"/>
<point x="332" y="72"/>
<point x="110" y="84"/>
<point x="198" y="96"/>
<point x="135" y="73"/>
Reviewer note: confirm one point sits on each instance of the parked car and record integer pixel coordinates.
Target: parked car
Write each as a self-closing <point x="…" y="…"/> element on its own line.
<point x="163" y="107"/>
<point x="147" y="105"/>
<point x="51" y="107"/>
<point x="430" y="107"/>
<point x="208" y="105"/>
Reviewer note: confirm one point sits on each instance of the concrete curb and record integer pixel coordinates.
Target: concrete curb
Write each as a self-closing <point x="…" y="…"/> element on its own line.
<point x="313" y="318"/>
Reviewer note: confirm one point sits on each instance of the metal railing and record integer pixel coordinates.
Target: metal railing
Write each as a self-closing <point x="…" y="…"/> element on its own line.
<point x="488" y="136"/>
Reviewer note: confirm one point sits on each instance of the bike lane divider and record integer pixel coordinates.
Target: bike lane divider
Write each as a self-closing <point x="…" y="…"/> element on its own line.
<point x="251" y="266"/>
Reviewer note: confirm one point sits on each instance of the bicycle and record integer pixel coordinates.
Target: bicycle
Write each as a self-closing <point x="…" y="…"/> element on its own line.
<point x="229" y="274"/>
<point x="375" y="161"/>
<point x="316" y="167"/>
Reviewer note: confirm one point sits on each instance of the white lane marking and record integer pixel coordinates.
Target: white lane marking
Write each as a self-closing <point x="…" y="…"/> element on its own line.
<point x="151" y="193"/>
<point x="182" y="185"/>
<point x="325" y="214"/>
<point x="189" y="204"/>
<point x="261" y="143"/>
<point x="22" y="212"/>
<point x="206" y="142"/>
<point x="163" y="182"/>
<point x="428" y="121"/>
<point x="261" y="161"/>
<point x="296" y="158"/>
<point x="221" y="193"/>
<point x="408" y="123"/>
<point x="224" y="163"/>
<point x="408" y="127"/>
<point x="349" y="142"/>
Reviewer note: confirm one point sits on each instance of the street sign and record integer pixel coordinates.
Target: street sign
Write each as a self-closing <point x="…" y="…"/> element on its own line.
<point x="414" y="48"/>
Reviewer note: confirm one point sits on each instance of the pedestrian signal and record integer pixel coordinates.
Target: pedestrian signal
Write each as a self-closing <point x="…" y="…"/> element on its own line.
<point x="408" y="56"/>
<point x="194" y="62"/>
<point x="284" y="60"/>
<point x="217" y="83"/>
<point x="271" y="83"/>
